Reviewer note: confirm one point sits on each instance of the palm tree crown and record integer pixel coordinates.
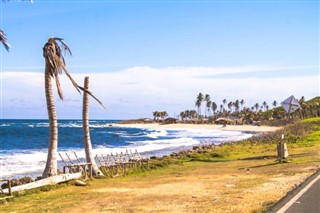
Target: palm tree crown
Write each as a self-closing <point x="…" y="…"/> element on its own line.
<point x="56" y="64"/>
<point x="4" y="41"/>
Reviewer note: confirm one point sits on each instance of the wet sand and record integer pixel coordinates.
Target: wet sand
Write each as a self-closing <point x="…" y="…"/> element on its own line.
<point x="248" y="128"/>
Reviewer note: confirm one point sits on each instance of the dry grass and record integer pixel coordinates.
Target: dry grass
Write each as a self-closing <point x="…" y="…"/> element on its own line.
<point x="234" y="186"/>
<point x="244" y="178"/>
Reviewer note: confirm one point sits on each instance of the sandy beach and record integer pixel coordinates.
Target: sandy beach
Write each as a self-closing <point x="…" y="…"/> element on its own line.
<point x="248" y="128"/>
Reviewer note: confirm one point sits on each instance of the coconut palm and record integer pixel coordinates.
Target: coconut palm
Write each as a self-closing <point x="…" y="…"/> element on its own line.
<point x="221" y="108"/>
<point x="163" y="115"/>
<point x="155" y="115"/>
<point x="209" y="104"/>
<point x="54" y="65"/>
<point x="224" y="101"/>
<point x="214" y="107"/>
<point x="264" y="104"/>
<point x="242" y="102"/>
<point x="256" y="106"/>
<point x="182" y="115"/>
<point x="274" y="103"/>
<point x="237" y="105"/>
<point x="4" y="41"/>
<point x="207" y="100"/>
<point x="199" y="102"/>
<point x="86" y="131"/>
<point x="230" y="105"/>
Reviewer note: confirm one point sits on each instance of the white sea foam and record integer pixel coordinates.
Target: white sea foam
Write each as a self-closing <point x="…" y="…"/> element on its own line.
<point x="31" y="163"/>
<point x="157" y="134"/>
<point x="150" y="145"/>
<point x="16" y="163"/>
<point x="5" y="125"/>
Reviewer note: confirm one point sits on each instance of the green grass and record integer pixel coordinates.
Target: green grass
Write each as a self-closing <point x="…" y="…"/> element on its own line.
<point x="303" y="139"/>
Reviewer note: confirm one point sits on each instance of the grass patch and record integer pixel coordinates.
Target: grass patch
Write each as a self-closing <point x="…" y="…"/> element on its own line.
<point x="246" y="165"/>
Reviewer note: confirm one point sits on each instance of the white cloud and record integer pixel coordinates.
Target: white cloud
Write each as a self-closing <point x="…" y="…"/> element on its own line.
<point x="138" y="91"/>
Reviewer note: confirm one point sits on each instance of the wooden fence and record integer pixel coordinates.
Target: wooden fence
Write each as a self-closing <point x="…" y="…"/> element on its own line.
<point x="121" y="163"/>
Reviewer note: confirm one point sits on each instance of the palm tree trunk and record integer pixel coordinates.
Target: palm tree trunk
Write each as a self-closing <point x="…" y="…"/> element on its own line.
<point x="51" y="165"/>
<point x="86" y="131"/>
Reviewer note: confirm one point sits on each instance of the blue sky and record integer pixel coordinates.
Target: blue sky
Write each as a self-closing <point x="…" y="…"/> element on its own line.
<point x="144" y="56"/>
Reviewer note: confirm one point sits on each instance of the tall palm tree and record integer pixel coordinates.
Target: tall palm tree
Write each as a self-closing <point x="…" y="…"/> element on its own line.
<point x="274" y="103"/>
<point x="242" y="102"/>
<point x="199" y="102"/>
<point x="264" y="104"/>
<point x="86" y="131"/>
<point x="54" y="65"/>
<point x="224" y="101"/>
<point x="163" y="115"/>
<point x="208" y="104"/>
<point x="221" y="107"/>
<point x="182" y="115"/>
<point x="214" y="107"/>
<point x="237" y="105"/>
<point x="4" y="41"/>
<point x="230" y="105"/>
<point x="155" y="115"/>
<point x="256" y="106"/>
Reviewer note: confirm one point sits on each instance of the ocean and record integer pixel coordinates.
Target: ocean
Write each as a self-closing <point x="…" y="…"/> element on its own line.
<point x="24" y="143"/>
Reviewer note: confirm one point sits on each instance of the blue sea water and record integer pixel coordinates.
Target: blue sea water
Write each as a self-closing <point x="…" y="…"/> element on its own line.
<point x="24" y="143"/>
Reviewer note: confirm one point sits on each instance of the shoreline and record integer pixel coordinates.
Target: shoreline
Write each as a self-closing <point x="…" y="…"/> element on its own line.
<point x="156" y="126"/>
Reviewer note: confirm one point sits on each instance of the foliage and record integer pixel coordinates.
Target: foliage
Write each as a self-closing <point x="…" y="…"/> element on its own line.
<point x="257" y="114"/>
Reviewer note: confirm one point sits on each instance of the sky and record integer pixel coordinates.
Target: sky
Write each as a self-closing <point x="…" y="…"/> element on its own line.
<point x="145" y="56"/>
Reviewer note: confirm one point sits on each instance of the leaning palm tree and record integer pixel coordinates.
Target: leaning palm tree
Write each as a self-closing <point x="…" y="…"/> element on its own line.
<point x="86" y="131"/>
<point x="54" y="65"/>
<point x="4" y="41"/>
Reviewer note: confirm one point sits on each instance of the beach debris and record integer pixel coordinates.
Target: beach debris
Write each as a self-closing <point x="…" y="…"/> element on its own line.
<point x="16" y="182"/>
<point x="80" y="183"/>
<point x="45" y="181"/>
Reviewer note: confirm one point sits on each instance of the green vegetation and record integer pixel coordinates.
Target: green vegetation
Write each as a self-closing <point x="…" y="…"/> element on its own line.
<point x="300" y="134"/>
<point x="257" y="114"/>
<point x="228" y="164"/>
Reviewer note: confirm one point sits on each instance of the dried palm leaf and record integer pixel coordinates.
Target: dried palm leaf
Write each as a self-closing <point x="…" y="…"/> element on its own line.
<point x="4" y="41"/>
<point x="55" y="64"/>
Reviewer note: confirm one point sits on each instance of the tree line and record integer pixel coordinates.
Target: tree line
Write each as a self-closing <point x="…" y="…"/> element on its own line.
<point x="269" y="113"/>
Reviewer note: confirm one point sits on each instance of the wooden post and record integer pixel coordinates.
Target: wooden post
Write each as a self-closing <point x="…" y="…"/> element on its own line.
<point x="282" y="150"/>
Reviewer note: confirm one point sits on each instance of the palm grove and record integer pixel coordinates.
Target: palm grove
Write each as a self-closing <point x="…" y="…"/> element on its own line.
<point x="208" y="111"/>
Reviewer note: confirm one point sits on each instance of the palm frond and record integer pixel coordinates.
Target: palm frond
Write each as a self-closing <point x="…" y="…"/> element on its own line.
<point x="59" y="87"/>
<point x="70" y="78"/>
<point x="87" y="91"/>
<point x="65" y="46"/>
<point x="4" y="41"/>
<point x="55" y="64"/>
<point x="81" y="88"/>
